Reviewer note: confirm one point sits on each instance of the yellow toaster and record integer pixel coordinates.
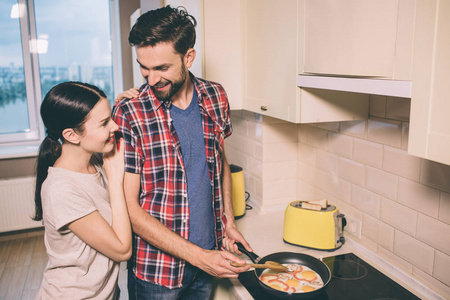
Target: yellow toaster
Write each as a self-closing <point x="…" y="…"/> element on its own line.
<point x="316" y="229"/>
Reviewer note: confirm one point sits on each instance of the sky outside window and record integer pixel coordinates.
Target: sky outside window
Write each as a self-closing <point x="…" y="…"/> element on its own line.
<point x="79" y="42"/>
<point x="73" y="44"/>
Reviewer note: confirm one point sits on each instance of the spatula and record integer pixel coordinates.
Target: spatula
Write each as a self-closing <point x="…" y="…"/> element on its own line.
<point x="267" y="265"/>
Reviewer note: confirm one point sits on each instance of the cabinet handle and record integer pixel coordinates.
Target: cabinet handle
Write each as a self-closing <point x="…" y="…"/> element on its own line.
<point x="264" y="108"/>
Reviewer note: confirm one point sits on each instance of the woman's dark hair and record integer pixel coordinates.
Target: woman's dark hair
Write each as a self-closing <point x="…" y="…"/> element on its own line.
<point x="66" y="105"/>
<point x="162" y="25"/>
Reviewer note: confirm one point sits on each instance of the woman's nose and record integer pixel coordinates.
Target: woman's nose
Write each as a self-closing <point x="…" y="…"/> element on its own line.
<point x="114" y="126"/>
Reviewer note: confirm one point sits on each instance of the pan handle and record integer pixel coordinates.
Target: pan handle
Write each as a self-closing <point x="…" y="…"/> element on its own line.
<point x="252" y="255"/>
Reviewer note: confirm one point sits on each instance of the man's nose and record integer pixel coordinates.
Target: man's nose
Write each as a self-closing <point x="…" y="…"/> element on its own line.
<point x="153" y="78"/>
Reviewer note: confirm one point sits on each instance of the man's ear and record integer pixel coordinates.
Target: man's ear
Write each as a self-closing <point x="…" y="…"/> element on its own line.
<point x="189" y="57"/>
<point x="71" y="136"/>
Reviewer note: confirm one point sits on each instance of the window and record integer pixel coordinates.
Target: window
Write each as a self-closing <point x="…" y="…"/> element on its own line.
<point x="44" y="43"/>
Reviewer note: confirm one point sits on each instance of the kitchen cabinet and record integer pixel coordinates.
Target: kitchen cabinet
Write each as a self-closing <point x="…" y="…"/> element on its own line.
<point x="364" y="38"/>
<point x="429" y="132"/>
<point x="223" y="43"/>
<point x="252" y="47"/>
<point x="270" y="32"/>
<point x="257" y="49"/>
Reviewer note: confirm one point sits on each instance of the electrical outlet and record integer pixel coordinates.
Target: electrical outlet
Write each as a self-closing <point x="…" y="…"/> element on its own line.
<point x="353" y="226"/>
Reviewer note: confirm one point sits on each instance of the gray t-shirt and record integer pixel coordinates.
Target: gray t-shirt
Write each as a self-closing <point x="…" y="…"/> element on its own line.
<point x="74" y="269"/>
<point x="188" y="125"/>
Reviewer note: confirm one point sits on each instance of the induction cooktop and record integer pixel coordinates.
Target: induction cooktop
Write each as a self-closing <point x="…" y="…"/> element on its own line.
<point x="351" y="279"/>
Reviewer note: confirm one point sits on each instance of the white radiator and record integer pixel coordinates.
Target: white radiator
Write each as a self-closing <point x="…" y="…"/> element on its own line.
<point x="17" y="204"/>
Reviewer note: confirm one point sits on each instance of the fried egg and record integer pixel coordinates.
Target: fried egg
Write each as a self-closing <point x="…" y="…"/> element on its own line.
<point x="298" y="279"/>
<point x="275" y="286"/>
<point x="307" y="288"/>
<point x="292" y="282"/>
<point x="309" y="275"/>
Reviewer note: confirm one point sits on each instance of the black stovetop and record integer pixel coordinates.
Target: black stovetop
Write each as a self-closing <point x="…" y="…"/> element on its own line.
<point x="352" y="279"/>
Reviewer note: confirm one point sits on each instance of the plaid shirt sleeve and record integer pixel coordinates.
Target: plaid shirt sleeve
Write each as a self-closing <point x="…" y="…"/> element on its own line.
<point x="133" y="151"/>
<point x="228" y="129"/>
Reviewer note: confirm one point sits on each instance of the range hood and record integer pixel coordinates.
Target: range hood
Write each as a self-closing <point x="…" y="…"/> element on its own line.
<point x="385" y="87"/>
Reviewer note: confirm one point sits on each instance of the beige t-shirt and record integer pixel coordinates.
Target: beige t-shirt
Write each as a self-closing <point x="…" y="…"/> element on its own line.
<point x="74" y="269"/>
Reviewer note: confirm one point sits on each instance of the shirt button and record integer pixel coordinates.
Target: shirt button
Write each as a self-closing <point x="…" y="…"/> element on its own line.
<point x="185" y="221"/>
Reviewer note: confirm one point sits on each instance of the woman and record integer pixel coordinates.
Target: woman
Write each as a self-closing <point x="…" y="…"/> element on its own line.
<point x="87" y="228"/>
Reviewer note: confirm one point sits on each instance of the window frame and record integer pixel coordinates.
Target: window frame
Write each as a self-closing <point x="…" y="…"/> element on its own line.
<point x="28" y="37"/>
<point x="25" y="144"/>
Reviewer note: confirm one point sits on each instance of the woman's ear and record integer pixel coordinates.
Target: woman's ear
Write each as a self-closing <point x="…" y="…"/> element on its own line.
<point x="71" y="136"/>
<point x="189" y="57"/>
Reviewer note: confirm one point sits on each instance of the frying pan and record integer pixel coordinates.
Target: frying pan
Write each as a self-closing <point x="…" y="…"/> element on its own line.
<point x="290" y="258"/>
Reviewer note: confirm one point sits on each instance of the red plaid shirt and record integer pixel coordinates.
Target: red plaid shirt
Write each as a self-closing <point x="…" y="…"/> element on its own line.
<point x="153" y="150"/>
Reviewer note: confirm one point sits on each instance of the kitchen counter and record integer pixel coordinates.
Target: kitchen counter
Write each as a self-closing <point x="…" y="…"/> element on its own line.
<point x="264" y="232"/>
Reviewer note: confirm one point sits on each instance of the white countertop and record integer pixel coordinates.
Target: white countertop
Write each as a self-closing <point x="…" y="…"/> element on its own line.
<point x="264" y="232"/>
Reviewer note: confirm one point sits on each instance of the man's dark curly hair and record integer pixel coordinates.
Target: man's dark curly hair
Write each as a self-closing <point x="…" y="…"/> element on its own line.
<point x="165" y="25"/>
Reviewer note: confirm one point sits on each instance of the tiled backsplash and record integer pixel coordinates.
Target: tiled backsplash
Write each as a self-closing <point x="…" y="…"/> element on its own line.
<point x="363" y="168"/>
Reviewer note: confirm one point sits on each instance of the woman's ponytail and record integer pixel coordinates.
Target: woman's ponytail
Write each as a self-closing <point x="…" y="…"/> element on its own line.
<point x="49" y="152"/>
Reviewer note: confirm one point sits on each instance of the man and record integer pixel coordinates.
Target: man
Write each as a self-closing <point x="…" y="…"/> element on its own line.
<point x="178" y="182"/>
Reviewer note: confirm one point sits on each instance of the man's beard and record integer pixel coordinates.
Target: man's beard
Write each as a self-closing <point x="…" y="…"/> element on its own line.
<point x="164" y="96"/>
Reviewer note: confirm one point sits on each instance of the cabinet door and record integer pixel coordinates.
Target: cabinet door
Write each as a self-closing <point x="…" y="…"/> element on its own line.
<point x="223" y="54"/>
<point x="350" y="37"/>
<point x="271" y="58"/>
<point x="429" y="135"/>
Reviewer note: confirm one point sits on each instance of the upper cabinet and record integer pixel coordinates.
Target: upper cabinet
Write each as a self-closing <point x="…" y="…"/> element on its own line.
<point x="429" y="132"/>
<point x="252" y="47"/>
<point x="270" y="49"/>
<point x="361" y="38"/>
<point x="318" y="60"/>
<point x="223" y="56"/>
